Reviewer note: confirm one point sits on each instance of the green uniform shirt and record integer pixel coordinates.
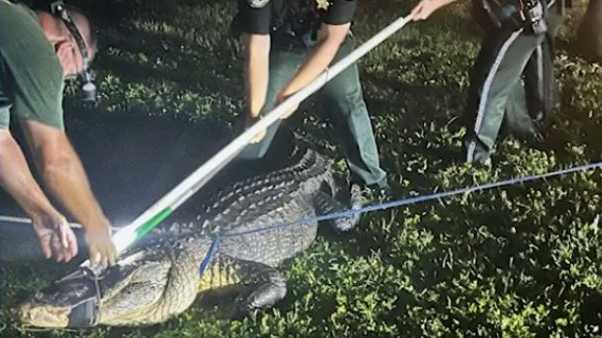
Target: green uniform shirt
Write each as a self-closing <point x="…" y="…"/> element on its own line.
<point x="31" y="77"/>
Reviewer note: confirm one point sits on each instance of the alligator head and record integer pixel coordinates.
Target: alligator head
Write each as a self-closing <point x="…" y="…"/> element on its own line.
<point x="59" y="305"/>
<point x="125" y="292"/>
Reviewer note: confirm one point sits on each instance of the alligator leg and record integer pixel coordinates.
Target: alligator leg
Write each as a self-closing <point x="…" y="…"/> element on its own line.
<point x="325" y="204"/>
<point x="134" y="302"/>
<point x="258" y="285"/>
<point x="268" y="288"/>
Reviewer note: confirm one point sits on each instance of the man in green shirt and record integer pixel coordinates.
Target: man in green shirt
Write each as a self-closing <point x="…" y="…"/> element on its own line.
<point x="37" y="52"/>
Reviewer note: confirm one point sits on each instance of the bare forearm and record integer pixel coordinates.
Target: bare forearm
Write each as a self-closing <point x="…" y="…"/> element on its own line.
<point x="447" y="2"/>
<point x="425" y="8"/>
<point x="257" y="64"/>
<point x="55" y="237"/>
<point x="17" y="180"/>
<point x="318" y="59"/>
<point x="66" y="180"/>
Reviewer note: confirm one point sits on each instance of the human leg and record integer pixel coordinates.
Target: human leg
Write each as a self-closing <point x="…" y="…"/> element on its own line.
<point x="343" y="101"/>
<point x="496" y="74"/>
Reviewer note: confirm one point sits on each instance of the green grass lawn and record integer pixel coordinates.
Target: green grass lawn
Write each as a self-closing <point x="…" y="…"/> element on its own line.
<point x="523" y="261"/>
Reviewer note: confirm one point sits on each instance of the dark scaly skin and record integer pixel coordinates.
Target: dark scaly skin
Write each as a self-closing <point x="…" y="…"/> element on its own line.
<point x="160" y="279"/>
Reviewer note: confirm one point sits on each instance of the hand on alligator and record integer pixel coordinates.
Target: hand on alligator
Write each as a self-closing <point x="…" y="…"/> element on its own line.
<point x="56" y="237"/>
<point x="101" y="248"/>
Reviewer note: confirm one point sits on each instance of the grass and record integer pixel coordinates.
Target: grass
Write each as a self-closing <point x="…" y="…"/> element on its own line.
<point x="522" y="261"/>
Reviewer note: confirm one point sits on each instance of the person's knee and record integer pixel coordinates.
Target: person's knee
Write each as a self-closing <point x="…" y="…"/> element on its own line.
<point x="355" y="97"/>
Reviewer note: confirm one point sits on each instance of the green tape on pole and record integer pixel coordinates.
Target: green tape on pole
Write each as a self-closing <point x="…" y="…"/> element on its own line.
<point x="152" y="223"/>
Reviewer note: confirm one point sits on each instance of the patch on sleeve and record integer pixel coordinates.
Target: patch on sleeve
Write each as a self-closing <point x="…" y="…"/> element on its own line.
<point x="322" y="4"/>
<point x="258" y="3"/>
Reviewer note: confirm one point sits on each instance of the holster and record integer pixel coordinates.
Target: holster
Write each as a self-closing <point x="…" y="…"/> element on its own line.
<point x="497" y="14"/>
<point x="511" y="15"/>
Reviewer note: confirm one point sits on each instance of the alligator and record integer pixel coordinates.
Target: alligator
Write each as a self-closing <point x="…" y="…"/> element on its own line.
<point x="236" y="242"/>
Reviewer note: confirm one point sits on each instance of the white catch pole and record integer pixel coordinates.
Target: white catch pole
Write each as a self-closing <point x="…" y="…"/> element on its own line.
<point x="24" y="220"/>
<point x="12" y="219"/>
<point x="163" y="207"/>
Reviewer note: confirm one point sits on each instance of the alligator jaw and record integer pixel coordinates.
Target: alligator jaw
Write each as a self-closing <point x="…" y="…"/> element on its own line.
<point x="43" y="315"/>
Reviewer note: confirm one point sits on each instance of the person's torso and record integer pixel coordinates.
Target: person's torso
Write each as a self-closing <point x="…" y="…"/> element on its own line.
<point x="31" y="74"/>
<point x="298" y="19"/>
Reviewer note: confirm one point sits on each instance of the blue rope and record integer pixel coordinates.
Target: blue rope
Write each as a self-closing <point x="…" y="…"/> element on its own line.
<point x="420" y="199"/>
<point x="396" y="204"/>
<point x="209" y="257"/>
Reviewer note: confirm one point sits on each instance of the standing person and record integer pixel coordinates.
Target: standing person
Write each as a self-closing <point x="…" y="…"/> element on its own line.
<point x="590" y="30"/>
<point x="287" y="44"/>
<point x="512" y="78"/>
<point x="38" y="50"/>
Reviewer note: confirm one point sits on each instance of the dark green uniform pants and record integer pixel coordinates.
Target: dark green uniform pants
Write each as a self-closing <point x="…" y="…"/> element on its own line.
<point x="512" y="81"/>
<point x="342" y="100"/>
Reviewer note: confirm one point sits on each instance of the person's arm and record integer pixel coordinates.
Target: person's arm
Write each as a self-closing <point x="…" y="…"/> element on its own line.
<point x="425" y="8"/>
<point x="256" y="68"/>
<point x="256" y="75"/>
<point x="336" y="22"/>
<point x="330" y="39"/>
<point x="56" y="238"/>
<point x="254" y="24"/>
<point x="65" y="178"/>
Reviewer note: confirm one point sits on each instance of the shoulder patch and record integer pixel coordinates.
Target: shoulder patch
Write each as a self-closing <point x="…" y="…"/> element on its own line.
<point x="258" y="3"/>
<point x="322" y="4"/>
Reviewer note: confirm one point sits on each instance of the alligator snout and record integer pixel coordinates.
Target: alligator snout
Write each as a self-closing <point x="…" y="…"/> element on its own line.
<point x="42" y="315"/>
